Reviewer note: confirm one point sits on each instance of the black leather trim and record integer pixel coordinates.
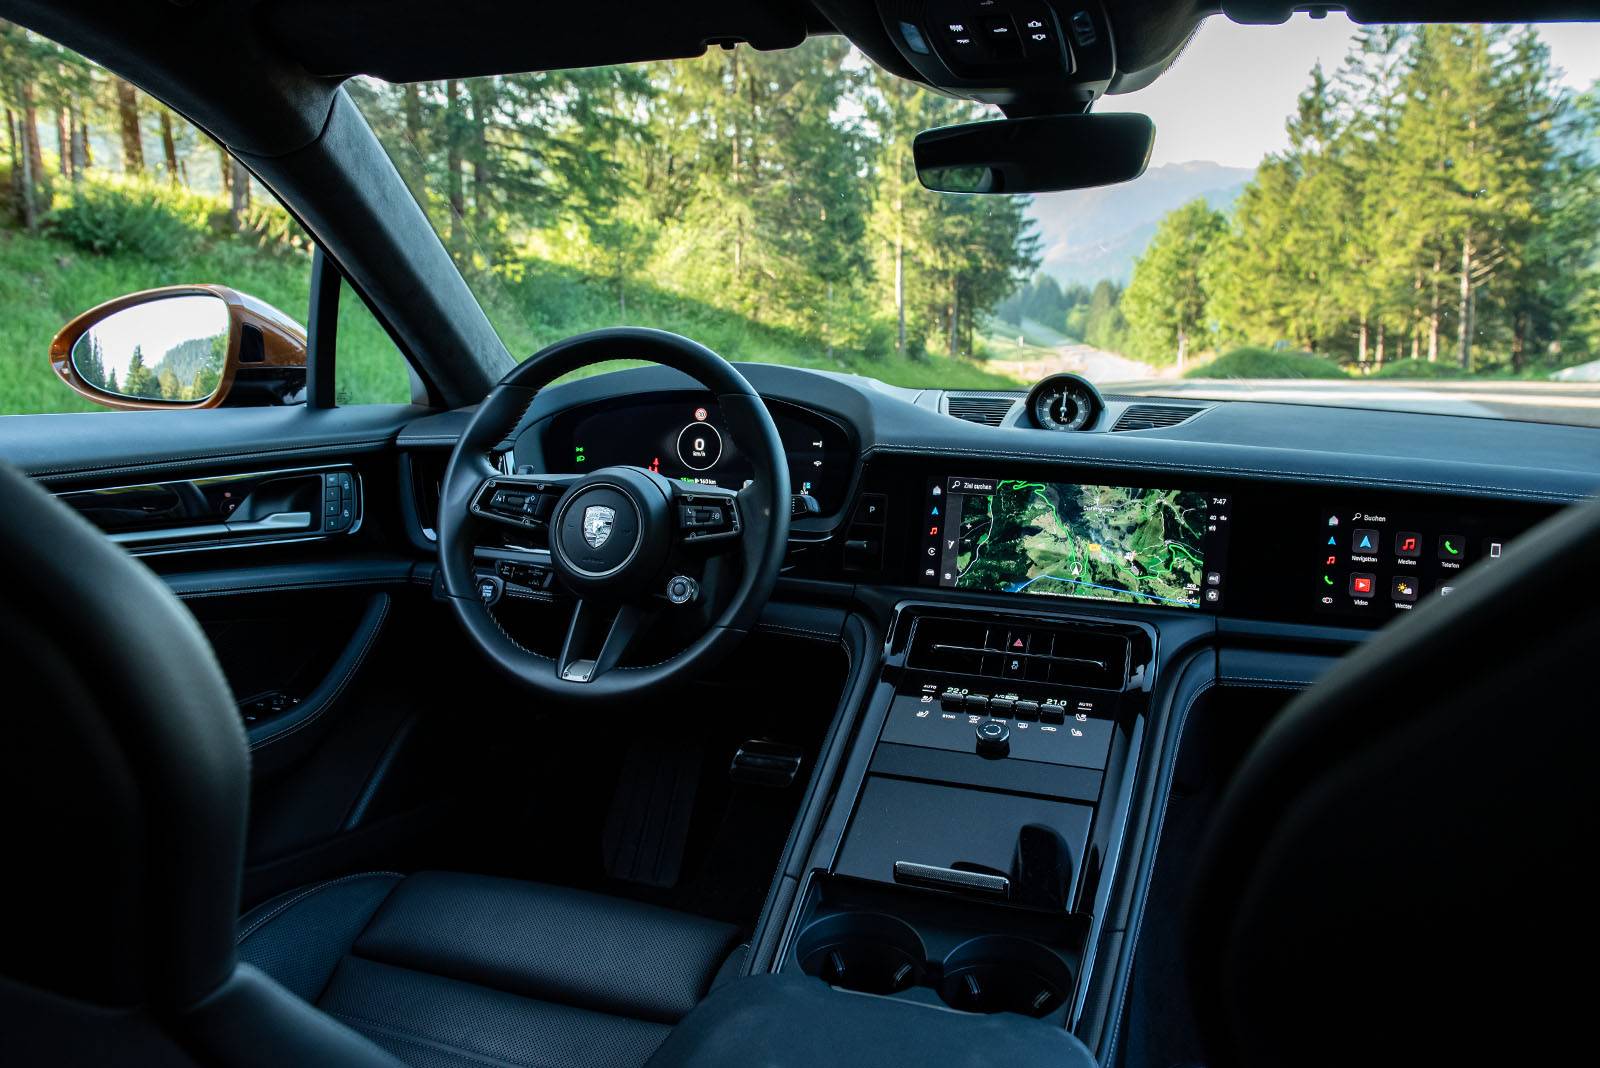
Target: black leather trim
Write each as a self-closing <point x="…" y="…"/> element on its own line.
<point x="62" y="449"/>
<point x="550" y="943"/>
<point x="860" y="642"/>
<point x="252" y="1022"/>
<point x="786" y="1021"/>
<point x="461" y="969"/>
<point x="153" y="753"/>
<point x="298" y="729"/>
<point x="1434" y="779"/>
<point x="323" y="574"/>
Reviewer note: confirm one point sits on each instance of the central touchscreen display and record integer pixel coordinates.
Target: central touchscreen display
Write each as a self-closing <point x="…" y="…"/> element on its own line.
<point x="1111" y="543"/>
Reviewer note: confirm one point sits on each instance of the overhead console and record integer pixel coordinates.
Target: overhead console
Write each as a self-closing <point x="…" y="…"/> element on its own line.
<point x="1030" y="57"/>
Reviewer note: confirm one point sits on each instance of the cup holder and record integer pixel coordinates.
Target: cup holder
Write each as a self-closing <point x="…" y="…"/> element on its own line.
<point x="863" y="951"/>
<point x="998" y="973"/>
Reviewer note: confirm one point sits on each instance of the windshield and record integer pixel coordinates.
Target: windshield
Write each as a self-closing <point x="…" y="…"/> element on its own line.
<point x="1403" y="217"/>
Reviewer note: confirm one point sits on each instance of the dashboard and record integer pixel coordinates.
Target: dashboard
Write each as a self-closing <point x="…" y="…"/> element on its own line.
<point x="1309" y="520"/>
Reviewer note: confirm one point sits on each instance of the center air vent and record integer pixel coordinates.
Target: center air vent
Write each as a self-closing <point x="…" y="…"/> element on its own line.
<point x="1061" y="653"/>
<point x="987" y="408"/>
<point x="1152" y="416"/>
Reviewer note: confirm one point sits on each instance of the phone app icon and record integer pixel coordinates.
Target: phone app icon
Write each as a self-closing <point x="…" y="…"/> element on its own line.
<point x="1403" y="589"/>
<point x="1408" y="543"/>
<point x="1363" y="541"/>
<point x="1452" y="547"/>
<point x="1362" y="585"/>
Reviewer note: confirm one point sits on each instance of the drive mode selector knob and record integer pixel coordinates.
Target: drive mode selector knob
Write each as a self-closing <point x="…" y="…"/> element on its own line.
<point x="994" y="738"/>
<point x="681" y="589"/>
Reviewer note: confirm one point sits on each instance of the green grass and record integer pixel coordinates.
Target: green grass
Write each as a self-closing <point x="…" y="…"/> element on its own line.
<point x="1409" y="368"/>
<point x="1253" y="362"/>
<point x="45" y="281"/>
<point x="550" y="301"/>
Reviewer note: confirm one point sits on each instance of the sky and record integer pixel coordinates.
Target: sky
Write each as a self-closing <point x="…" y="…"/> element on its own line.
<point x="1205" y="110"/>
<point x="157" y="327"/>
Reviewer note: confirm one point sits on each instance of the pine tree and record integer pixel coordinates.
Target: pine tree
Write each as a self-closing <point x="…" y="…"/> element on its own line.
<point x="1166" y="300"/>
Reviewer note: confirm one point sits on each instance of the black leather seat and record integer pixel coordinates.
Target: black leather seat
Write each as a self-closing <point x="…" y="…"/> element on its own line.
<point x="1400" y="871"/>
<point x="459" y="970"/>
<point x="124" y="782"/>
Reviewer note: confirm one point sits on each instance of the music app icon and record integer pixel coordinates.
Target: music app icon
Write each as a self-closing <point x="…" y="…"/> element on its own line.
<point x="1408" y="543"/>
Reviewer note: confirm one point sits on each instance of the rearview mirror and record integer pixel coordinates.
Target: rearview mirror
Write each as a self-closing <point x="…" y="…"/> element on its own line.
<point x="183" y="347"/>
<point x="1035" y="155"/>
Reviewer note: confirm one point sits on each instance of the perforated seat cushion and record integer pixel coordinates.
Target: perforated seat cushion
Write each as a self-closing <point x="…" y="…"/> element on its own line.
<point x="455" y="970"/>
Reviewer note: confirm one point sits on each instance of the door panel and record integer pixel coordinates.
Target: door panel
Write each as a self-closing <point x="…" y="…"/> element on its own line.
<point x="318" y="623"/>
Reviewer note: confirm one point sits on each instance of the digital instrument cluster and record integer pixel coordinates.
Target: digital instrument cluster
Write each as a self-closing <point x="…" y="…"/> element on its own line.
<point x="684" y="436"/>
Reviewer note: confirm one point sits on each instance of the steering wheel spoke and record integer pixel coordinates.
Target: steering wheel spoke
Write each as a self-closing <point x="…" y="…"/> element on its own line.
<point x="597" y="639"/>
<point x="523" y="501"/>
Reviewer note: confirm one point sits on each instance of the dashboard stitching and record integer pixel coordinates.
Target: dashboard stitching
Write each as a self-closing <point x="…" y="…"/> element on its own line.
<point x="53" y="473"/>
<point x="799" y="632"/>
<point x="1155" y="851"/>
<point x="1264" y="683"/>
<point x="1110" y="462"/>
<point x="338" y="690"/>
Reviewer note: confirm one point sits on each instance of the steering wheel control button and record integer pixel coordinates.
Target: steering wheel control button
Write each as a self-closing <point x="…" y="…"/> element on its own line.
<point x="994" y="738"/>
<point x="489" y="589"/>
<point x="699" y="446"/>
<point x="702" y="516"/>
<point x="682" y="589"/>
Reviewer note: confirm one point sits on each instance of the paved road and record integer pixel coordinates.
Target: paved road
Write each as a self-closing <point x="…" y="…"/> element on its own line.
<point x="1542" y="402"/>
<point x="1097" y="365"/>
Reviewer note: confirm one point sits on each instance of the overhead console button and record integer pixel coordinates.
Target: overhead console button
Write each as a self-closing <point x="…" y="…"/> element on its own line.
<point x="1001" y="33"/>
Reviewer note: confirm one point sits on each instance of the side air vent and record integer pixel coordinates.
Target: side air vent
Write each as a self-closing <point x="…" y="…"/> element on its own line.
<point x="1061" y="653"/>
<point x="987" y="408"/>
<point x="1152" y="416"/>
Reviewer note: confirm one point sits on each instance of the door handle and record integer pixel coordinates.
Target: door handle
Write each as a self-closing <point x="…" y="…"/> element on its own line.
<point x="271" y="523"/>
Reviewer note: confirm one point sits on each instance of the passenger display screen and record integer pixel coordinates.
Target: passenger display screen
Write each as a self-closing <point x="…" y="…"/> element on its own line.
<point x="1109" y="543"/>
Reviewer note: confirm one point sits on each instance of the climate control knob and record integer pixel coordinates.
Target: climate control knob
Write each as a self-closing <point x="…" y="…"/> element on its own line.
<point x="994" y="738"/>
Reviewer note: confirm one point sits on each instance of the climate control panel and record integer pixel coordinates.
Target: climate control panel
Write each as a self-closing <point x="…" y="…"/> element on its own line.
<point x="1072" y="728"/>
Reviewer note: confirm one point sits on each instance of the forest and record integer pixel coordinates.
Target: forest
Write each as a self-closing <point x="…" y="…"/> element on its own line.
<point x="1437" y="213"/>
<point x="765" y="203"/>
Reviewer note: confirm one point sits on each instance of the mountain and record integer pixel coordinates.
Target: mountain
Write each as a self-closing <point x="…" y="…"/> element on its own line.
<point x="188" y="358"/>
<point x="1090" y="234"/>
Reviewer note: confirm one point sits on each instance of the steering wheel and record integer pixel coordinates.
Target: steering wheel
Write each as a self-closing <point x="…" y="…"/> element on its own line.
<point x="630" y="545"/>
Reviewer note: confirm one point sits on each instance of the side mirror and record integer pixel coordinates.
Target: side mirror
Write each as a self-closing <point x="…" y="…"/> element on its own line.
<point x="196" y="346"/>
<point x="1035" y="155"/>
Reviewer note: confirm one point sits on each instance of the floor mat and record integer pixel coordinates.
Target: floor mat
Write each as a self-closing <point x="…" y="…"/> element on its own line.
<point x="647" y="827"/>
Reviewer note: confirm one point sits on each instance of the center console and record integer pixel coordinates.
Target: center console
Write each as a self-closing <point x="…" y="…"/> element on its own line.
<point x="985" y="846"/>
<point x="966" y="872"/>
